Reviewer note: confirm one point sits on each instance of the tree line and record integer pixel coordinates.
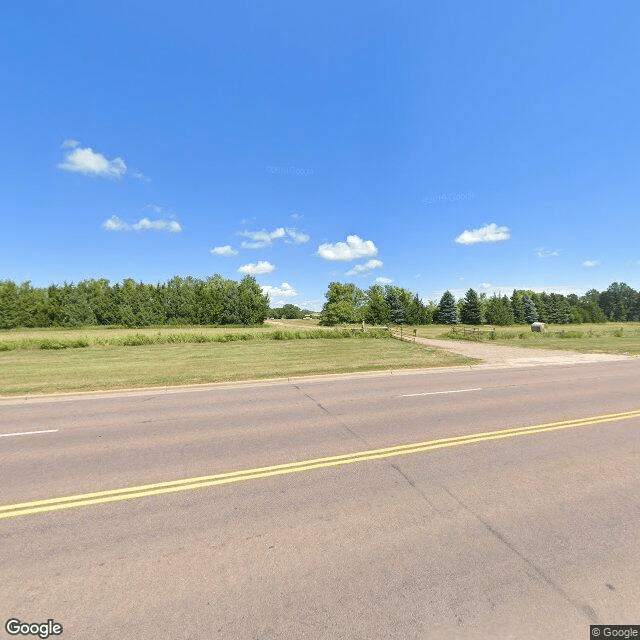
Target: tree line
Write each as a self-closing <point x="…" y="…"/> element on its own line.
<point x="191" y="301"/>
<point x="395" y="305"/>
<point x="217" y="300"/>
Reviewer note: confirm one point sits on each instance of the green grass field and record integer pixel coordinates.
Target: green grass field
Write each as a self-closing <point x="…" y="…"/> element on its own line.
<point x="108" y="366"/>
<point x="612" y="337"/>
<point x="36" y="361"/>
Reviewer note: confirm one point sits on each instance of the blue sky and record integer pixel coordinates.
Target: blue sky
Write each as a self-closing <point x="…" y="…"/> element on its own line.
<point x="435" y="145"/>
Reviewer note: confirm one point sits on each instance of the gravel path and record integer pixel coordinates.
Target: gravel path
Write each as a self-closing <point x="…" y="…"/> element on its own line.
<point x="498" y="355"/>
<point x="501" y="356"/>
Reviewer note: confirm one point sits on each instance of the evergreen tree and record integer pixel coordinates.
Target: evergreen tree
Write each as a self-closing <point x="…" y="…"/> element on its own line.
<point x="517" y="306"/>
<point x="416" y="311"/>
<point x="471" y="312"/>
<point x="447" y="312"/>
<point x="543" y="306"/>
<point x="530" y="311"/>
<point x="399" y="302"/>
<point x="499" y="311"/>
<point x="559" y="310"/>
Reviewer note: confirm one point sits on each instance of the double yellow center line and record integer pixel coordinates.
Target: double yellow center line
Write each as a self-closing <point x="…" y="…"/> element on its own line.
<point x="141" y="491"/>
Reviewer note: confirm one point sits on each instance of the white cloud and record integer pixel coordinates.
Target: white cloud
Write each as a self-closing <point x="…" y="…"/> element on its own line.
<point x="298" y="237"/>
<point x="114" y="223"/>
<point x="489" y="233"/>
<point x="227" y="250"/>
<point x="312" y="305"/>
<point x="547" y="253"/>
<point x="85" y="160"/>
<point x="145" y="224"/>
<point x="369" y="265"/>
<point x="138" y="175"/>
<point x="256" y="268"/>
<point x="261" y="239"/>
<point x="354" y="248"/>
<point x="485" y="285"/>
<point x="589" y="264"/>
<point x="383" y="280"/>
<point x="276" y="294"/>
<point x="70" y="143"/>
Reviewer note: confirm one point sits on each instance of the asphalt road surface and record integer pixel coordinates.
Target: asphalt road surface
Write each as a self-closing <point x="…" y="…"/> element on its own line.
<point x="494" y="503"/>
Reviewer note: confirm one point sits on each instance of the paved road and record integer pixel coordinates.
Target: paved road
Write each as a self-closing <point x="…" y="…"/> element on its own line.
<point x="501" y="534"/>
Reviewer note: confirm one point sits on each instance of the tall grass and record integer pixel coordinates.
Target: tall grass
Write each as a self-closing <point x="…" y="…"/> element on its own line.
<point x="143" y="339"/>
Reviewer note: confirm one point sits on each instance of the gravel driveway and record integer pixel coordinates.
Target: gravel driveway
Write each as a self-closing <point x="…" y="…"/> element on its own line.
<point x="498" y="355"/>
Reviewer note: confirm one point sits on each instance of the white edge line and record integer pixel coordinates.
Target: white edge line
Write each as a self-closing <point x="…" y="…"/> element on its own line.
<point x="27" y="433"/>
<point x="435" y="393"/>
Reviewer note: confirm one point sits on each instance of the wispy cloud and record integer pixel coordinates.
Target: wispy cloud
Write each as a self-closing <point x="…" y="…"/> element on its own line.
<point x="383" y="280"/>
<point x="369" y="265"/>
<point x="547" y="253"/>
<point x="256" y="268"/>
<point x="114" y="223"/>
<point x="157" y="225"/>
<point x="277" y="294"/>
<point x="138" y="175"/>
<point x="69" y="143"/>
<point x="590" y="264"/>
<point x="355" y="247"/>
<point x="489" y="233"/>
<point x="86" y="161"/>
<point x="226" y="250"/>
<point x="298" y="237"/>
<point x="261" y="239"/>
<point x="156" y="208"/>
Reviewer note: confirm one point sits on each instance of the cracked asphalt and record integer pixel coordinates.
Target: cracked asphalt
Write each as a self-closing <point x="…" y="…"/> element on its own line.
<point x="492" y="501"/>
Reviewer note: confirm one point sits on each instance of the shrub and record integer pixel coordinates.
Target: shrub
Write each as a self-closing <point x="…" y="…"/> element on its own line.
<point x="569" y="334"/>
<point x="53" y="344"/>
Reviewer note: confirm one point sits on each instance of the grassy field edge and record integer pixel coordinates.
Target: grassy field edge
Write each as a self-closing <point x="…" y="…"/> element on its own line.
<point x="32" y="372"/>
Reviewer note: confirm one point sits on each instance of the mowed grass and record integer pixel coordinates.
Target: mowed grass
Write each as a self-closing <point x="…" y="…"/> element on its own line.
<point x="120" y="367"/>
<point x="611" y="337"/>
